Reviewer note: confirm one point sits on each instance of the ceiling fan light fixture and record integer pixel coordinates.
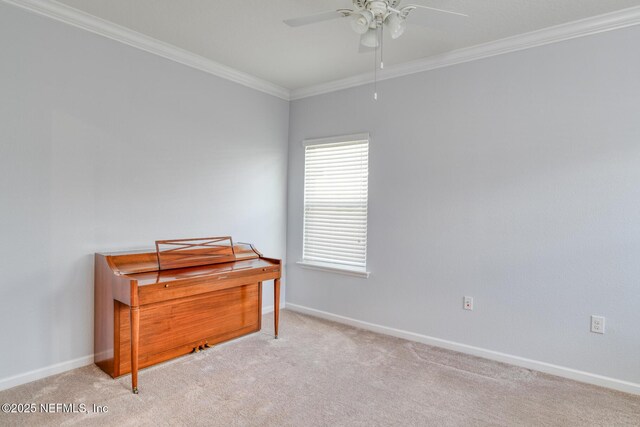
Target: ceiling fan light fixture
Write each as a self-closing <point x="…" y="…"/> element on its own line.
<point x="361" y="21"/>
<point x="370" y="38"/>
<point x="397" y="25"/>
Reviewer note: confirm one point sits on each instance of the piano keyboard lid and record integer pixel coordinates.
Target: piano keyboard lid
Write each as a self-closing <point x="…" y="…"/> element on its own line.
<point x="183" y="254"/>
<point x="166" y="276"/>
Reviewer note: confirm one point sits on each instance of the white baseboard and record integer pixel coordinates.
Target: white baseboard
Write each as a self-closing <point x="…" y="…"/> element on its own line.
<point x="58" y="368"/>
<point x="561" y="371"/>
<point x="47" y="371"/>
<point x="269" y="308"/>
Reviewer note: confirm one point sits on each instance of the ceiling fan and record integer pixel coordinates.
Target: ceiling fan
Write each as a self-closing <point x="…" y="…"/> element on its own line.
<point x="369" y="17"/>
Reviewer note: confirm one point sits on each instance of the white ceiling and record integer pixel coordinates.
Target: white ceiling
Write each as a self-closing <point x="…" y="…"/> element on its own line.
<point x="249" y="35"/>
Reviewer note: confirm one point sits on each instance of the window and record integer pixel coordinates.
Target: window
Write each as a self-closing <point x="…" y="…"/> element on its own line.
<point x="335" y="203"/>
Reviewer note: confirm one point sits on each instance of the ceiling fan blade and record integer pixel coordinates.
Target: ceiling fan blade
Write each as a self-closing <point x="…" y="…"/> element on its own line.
<point x="312" y="19"/>
<point x="435" y="21"/>
<point x="435" y="9"/>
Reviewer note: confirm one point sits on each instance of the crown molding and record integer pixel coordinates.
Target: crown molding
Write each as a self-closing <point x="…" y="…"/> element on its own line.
<point x="85" y="21"/>
<point x="597" y="24"/>
<point x="584" y="27"/>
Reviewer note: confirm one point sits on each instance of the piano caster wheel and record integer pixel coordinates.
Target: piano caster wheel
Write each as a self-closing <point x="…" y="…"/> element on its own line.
<point x="276" y="337"/>
<point x="135" y="390"/>
<point x="206" y="345"/>
<point x="196" y="350"/>
<point x="201" y="347"/>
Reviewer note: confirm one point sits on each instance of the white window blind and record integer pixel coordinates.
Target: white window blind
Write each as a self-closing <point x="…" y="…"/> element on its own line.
<point x="335" y="202"/>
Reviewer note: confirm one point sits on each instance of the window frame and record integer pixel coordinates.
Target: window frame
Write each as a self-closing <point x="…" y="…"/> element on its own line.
<point x="326" y="266"/>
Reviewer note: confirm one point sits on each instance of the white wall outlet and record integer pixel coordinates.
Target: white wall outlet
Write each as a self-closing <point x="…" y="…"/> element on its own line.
<point x="467" y="303"/>
<point x="597" y="324"/>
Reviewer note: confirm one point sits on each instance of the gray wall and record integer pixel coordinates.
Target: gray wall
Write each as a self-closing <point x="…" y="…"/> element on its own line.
<point x="106" y="147"/>
<point x="514" y="179"/>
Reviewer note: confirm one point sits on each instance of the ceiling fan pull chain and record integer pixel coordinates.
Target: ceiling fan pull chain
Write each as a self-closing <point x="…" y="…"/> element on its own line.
<point x="381" y="47"/>
<point x="375" y="74"/>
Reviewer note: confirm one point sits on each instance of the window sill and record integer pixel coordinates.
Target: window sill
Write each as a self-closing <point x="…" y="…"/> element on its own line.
<point x="334" y="268"/>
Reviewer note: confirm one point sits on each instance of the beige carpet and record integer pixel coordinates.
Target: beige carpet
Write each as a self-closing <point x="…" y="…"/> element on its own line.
<point x="322" y="373"/>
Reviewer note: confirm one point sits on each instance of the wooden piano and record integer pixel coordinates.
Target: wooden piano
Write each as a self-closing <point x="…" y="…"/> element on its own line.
<point x="188" y="294"/>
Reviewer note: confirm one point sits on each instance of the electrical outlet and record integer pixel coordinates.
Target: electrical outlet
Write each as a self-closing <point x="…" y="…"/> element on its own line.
<point x="597" y="324"/>
<point x="467" y="303"/>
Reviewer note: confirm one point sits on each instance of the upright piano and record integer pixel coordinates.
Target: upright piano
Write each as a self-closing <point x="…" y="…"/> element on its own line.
<point x="182" y="297"/>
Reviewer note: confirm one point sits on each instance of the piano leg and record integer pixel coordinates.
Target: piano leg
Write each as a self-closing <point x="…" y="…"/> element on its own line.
<point x="276" y="304"/>
<point x="135" y="337"/>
